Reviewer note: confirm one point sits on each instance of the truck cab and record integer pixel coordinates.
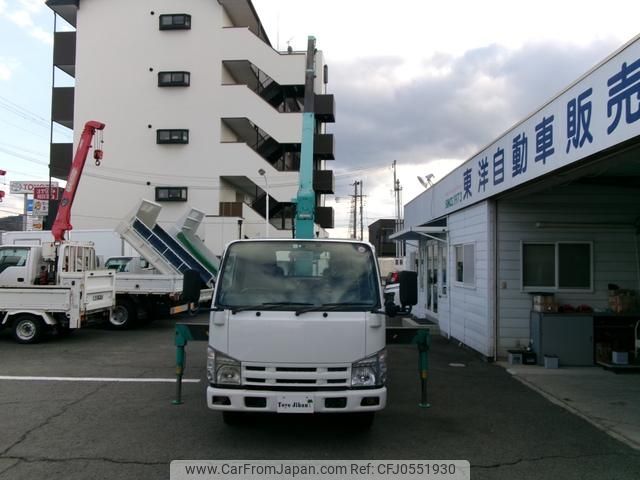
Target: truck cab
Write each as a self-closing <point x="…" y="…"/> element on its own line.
<point x="51" y="285"/>
<point x="23" y="265"/>
<point x="19" y="265"/>
<point x="129" y="264"/>
<point x="297" y="327"/>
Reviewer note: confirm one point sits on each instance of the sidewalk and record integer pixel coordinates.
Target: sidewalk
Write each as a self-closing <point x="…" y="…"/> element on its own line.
<point x="609" y="401"/>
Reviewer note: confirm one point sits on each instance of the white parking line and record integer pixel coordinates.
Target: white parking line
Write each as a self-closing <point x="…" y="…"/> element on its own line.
<point x="97" y="379"/>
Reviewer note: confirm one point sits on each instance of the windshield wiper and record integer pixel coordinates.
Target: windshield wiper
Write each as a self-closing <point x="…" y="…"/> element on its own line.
<point x="266" y="306"/>
<point x="334" y="306"/>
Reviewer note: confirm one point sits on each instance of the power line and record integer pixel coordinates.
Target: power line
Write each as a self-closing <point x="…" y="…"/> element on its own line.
<point x="24" y="157"/>
<point x="22" y="149"/>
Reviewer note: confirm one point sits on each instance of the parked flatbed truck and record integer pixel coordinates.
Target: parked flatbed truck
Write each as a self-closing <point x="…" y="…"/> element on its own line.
<point x="52" y="286"/>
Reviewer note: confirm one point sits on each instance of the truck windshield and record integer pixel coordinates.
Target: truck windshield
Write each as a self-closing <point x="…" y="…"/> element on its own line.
<point x="288" y="275"/>
<point x="118" y="264"/>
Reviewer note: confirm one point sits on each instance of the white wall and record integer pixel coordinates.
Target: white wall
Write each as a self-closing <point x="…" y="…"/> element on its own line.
<point x="614" y="251"/>
<point x="470" y="308"/>
<point x="118" y="42"/>
<point x="242" y="44"/>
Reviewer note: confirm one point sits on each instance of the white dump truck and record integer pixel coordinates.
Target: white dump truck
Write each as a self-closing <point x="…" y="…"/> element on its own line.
<point x="142" y="293"/>
<point x="52" y="285"/>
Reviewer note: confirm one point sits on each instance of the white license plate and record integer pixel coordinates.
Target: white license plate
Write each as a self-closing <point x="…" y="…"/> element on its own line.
<point x="295" y="404"/>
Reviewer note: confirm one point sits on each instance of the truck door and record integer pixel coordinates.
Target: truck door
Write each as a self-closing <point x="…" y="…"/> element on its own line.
<point x="13" y="266"/>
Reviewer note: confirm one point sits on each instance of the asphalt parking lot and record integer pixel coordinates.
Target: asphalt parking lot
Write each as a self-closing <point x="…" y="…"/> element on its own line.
<point x="57" y="429"/>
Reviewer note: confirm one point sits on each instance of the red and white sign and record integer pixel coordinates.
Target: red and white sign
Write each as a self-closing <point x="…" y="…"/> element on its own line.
<point x="40" y="193"/>
<point x="28" y="187"/>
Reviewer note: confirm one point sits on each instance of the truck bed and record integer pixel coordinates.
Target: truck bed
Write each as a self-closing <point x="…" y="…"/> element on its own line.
<point x="48" y="298"/>
<point x="148" y="283"/>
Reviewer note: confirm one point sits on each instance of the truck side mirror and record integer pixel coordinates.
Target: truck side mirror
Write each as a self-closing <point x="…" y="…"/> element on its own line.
<point x="391" y="309"/>
<point x="191" y="287"/>
<point x="408" y="288"/>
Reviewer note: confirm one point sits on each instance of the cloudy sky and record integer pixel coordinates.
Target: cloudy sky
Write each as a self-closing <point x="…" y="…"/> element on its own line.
<point x="421" y="82"/>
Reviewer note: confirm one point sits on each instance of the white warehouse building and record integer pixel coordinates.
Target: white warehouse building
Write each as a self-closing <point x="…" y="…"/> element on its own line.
<point x="549" y="209"/>
<point x="200" y="110"/>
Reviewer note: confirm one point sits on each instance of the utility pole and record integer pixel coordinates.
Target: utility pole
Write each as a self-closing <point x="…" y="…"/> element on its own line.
<point x="356" y="205"/>
<point x="397" y="189"/>
<point x="354" y="211"/>
<point x="361" y="215"/>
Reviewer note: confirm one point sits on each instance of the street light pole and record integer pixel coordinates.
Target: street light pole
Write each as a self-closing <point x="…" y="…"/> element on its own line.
<point x="262" y="173"/>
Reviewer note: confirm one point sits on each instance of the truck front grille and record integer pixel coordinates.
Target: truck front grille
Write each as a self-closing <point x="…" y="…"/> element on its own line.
<point x="287" y="376"/>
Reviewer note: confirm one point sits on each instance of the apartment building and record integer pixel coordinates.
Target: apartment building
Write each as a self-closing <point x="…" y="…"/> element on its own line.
<point x="200" y="110"/>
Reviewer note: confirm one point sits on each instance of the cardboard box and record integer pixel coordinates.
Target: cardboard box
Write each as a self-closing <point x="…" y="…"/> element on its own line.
<point x="620" y="358"/>
<point x="515" y="357"/>
<point x="622" y="301"/>
<point x="551" y="361"/>
<point x="545" y="303"/>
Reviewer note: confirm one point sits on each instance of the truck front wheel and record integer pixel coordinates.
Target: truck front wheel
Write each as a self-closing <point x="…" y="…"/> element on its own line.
<point x="124" y="314"/>
<point x="28" y="329"/>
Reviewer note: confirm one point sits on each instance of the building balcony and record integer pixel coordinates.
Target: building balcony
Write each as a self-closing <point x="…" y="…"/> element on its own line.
<point x="323" y="147"/>
<point x="241" y="172"/>
<point x="283" y="157"/>
<point x="62" y="102"/>
<point x="67" y="9"/>
<point x="252" y="220"/>
<point x="242" y="44"/>
<point x="325" y="108"/>
<point x="64" y="52"/>
<point x="238" y="101"/>
<point x="324" y="217"/>
<point x="60" y="158"/>
<point x="243" y="14"/>
<point x="323" y="181"/>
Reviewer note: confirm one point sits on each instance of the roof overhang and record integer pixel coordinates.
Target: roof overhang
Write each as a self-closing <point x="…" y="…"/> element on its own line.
<point x="67" y="9"/>
<point x="243" y="13"/>
<point x="418" y="233"/>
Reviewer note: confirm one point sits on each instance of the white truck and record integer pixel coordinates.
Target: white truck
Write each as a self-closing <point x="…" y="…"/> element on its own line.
<point x="297" y="327"/>
<point x="141" y="292"/>
<point x="53" y="285"/>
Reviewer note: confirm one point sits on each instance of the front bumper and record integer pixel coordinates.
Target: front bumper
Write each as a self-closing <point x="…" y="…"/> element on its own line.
<point x="323" y="401"/>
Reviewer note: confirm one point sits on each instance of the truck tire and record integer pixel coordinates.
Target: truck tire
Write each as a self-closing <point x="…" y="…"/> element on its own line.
<point x="124" y="314"/>
<point x="27" y="328"/>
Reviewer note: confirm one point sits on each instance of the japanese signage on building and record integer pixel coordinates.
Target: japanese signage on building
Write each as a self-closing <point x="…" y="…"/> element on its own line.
<point x="29" y="187"/>
<point x="41" y="193"/>
<point x="600" y="110"/>
<point x="41" y="207"/>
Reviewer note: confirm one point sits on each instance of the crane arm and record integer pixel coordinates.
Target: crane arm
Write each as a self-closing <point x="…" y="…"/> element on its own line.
<point x="306" y="198"/>
<point x="62" y="223"/>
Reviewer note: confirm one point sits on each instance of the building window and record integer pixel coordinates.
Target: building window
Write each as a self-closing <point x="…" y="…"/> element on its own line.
<point x="172" y="136"/>
<point x="557" y="266"/>
<point x="466" y="264"/>
<point x="171" y="194"/>
<point x="174" y="79"/>
<point x="176" y="21"/>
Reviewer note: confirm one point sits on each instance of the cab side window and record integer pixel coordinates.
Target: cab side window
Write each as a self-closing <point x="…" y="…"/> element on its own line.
<point x="13" y="257"/>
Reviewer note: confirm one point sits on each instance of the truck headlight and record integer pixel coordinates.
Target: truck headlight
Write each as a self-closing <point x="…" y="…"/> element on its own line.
<point x="370" y="371"/>
<point x="222" y="369"/>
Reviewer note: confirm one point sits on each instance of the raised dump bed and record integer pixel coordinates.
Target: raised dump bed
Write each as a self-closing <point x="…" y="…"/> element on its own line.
<point x="185" y="231"/>
<point x="158" y="247"/>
